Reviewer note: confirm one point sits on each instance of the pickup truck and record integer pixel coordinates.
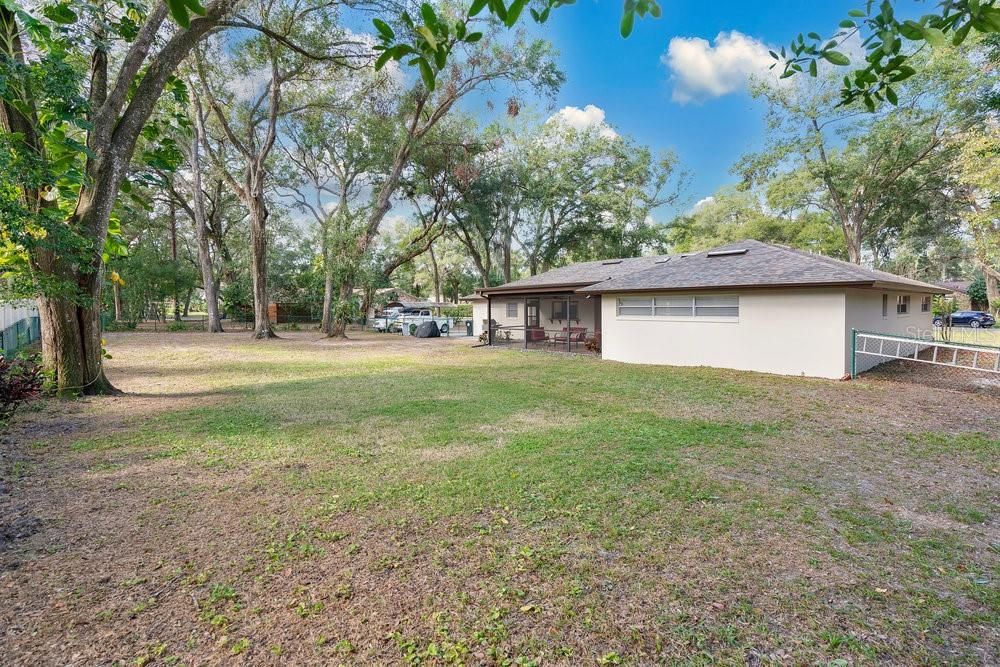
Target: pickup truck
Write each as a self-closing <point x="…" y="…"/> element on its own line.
<point x="388" y="320"/>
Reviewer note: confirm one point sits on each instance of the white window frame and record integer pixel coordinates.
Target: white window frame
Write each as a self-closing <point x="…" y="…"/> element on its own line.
<point x="675" y="303"/>
<point x="509" y="305"/>
<point x="925" y="304"/>
<point x="729" y="301"/>
<point x="634" y="302"/>
<point x="903" y="300"/>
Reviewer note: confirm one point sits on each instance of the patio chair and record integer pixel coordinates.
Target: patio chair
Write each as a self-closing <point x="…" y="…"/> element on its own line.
<point x="573" y="334"/>
<point x="536" y="335"/>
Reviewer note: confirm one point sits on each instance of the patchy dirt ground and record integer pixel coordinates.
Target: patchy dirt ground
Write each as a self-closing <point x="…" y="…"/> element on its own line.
<point x="389" y="500"/>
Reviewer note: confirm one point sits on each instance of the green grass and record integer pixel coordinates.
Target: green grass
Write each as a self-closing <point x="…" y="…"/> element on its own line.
<point x="445" y="505"/>
<point x="989" y="336"/>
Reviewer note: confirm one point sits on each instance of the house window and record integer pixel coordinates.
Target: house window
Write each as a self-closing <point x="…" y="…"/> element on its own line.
<point x="925" y="304"/>
<point x="717" y="306"/>
<point x="672" y="306"/>
<point x="511" y="309"/>
<point x="885" y="305"/>
<point x="635" y="306"/>
<point x="902" y="304"/>
<point x="559" y="310"/>
<point x="681" y="306"/>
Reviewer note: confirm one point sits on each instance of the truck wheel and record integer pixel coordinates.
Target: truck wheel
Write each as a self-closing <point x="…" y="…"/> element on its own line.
<point x="444" y="328"/>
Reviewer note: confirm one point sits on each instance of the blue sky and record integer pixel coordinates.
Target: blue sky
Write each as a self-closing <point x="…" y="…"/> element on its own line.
<point x="699" y="108"/>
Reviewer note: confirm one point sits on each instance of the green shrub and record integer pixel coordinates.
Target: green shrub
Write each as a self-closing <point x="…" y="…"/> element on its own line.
<point x="120" y="326"/>
<point x="177" y="326"/>
<point x="977" y="289"/>
<point x="458" y="312"/>
<point x="942" y="306"/>
<point x="20" y="380"/>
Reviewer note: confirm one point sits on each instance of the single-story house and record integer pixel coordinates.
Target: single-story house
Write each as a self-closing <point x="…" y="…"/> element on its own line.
<point x="747" y="305"/>
<point x="392" y="297"/>
<point x="957" y="291"/>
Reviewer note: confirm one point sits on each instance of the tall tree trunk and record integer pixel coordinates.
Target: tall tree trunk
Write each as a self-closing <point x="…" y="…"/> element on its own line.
<point x="507" y="241"/>
<point x="71" y="336"/>
<point x="344" y="294"/>
<point x="992" y="278"/>
<point x="258" y="266"/>
<point x="71" y="328"/>
<point x="437" y="275"/>
<point x="119" y="314"/>
<point x="187" y="302"/>
<point x="208" y="282"/>
<point x="173" y="259"/>
<point x="324" y="325"/>
<point x="366" y="304"/>
<point x="852" y="237"/>
<point x="327" y="298"/>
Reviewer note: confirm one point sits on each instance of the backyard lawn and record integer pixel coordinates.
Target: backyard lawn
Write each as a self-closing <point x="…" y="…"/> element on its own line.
<point x="391" y="500"/>
<point x="989" y="336"/>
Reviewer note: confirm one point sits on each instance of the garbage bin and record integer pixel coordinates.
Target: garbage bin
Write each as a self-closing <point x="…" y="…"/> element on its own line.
<point x="468" y="327"/>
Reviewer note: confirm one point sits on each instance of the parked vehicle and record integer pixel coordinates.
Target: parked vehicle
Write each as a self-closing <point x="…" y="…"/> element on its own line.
<point x="971" y="318"/>
<point x="388" y="320"/>
<point x="417" y="316"/>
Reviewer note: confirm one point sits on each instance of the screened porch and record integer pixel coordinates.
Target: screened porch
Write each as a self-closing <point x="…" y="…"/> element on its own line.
<point x="557" y="322"/>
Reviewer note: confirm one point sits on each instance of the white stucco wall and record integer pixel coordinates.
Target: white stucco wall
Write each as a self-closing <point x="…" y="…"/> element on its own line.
<point x="790" y="332"/>
<point x="864" y="313"/>
<point x="478" y="315"/>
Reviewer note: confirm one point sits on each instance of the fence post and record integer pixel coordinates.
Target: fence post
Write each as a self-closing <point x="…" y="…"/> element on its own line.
<point x="854" y="354"/>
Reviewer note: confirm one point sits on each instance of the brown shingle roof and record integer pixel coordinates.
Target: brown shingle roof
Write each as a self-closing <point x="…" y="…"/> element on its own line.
<point x="761" y="265"/>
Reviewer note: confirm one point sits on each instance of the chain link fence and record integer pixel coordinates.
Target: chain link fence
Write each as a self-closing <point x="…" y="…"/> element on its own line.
<point x="944" y="360"/>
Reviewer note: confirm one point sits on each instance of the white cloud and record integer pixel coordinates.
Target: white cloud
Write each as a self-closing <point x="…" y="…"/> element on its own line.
<point x="701" y="70"/>
<point x="248" y="86"/>
<point x="589" y="116"/>
<point x="701" y="203"/>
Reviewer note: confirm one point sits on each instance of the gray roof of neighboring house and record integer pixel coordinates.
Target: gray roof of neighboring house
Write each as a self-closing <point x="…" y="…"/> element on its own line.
<point x="472" y="297"/>
<point x="580" y="274"/>
<point x="751" y="263"/>
<point x="955" y="285"/>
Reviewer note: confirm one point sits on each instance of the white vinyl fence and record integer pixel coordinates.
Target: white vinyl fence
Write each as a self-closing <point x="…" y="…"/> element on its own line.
<point x="19" y="326"/>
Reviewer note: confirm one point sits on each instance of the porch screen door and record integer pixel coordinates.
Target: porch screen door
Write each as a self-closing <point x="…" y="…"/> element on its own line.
<point x="532" y="312"/>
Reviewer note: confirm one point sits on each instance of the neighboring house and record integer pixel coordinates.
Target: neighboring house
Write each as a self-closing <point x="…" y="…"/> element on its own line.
<point x="391" y="297"/>
<point x="958" y="292"/>
<point x="746" y="305"/>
